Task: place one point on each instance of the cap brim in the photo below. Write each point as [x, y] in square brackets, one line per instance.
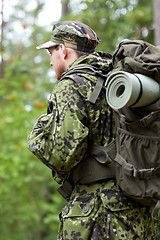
[47, 45]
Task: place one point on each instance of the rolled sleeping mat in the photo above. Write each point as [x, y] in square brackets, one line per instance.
[125, 89]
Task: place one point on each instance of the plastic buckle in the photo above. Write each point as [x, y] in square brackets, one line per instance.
[145, 173]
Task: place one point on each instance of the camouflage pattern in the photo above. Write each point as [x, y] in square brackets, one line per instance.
[100, 211]
[60, 139]
[74, 35]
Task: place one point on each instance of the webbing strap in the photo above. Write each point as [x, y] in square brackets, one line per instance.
[90, 170]
[97, 89]
[140, 92]
[147, 173]
[81, 68]
[137, 173]
[155, 213]
[65, 190]
[145, 121]
[85, 68]
[104, 155]
[128, 168]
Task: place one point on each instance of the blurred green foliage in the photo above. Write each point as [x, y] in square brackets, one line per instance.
[29, 202]
[115, 20]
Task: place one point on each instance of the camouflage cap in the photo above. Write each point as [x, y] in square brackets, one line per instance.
[72, 34]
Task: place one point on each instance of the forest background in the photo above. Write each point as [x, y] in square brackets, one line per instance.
[29, 202]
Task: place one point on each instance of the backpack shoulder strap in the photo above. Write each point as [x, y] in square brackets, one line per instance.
[97, 89]
[85, 68]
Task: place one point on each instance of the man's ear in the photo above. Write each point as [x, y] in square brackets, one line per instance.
[63, 50]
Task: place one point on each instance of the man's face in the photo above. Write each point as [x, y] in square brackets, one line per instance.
[57, 61]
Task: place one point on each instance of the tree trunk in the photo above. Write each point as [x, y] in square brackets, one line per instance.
[1, 46]
[64, 8]
[156, 6]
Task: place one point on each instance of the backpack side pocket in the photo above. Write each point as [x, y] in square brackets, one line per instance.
[137, 165]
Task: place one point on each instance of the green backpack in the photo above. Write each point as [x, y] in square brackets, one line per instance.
[136, 149]
[137, 157]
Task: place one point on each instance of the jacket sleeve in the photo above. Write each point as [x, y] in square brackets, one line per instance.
[59, 138]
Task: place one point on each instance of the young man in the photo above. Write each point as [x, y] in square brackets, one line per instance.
[64, 137]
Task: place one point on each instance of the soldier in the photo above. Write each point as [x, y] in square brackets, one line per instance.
[64, 137]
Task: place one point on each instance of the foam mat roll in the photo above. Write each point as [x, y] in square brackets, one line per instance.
[125, 89]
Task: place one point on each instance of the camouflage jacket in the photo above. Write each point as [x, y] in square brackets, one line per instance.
[60, 138]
